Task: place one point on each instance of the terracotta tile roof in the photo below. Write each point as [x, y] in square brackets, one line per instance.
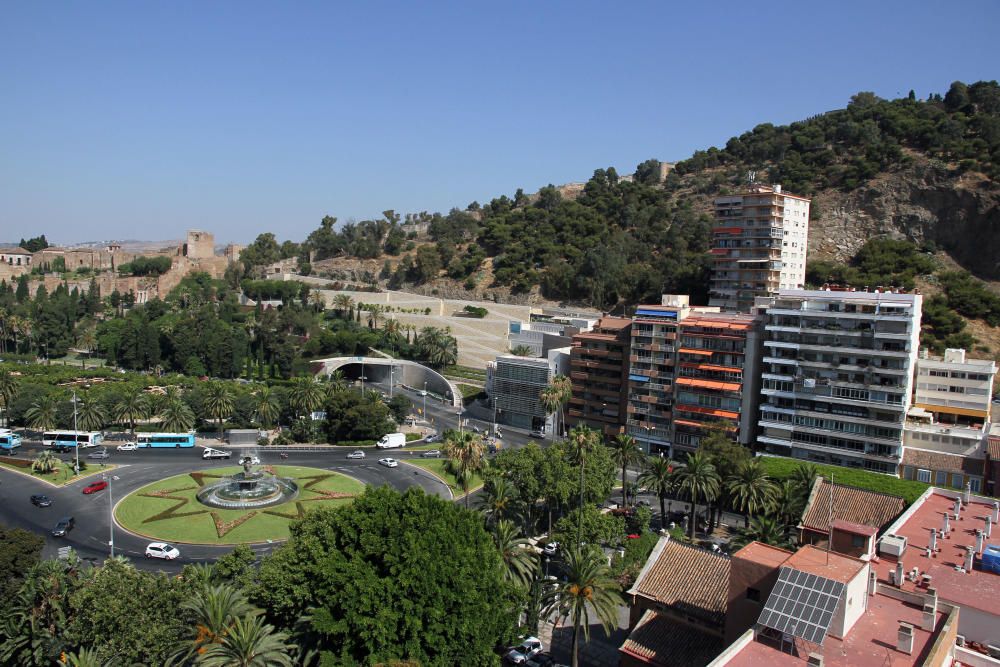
[829, 564]
[993, 448]
[692, 580]
[928, 460]
[14, 250]
[655, 640]
[868, 508]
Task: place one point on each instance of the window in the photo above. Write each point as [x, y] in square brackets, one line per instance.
[940, 478]
[975, 484]
[857, 541]
[956, 481]
[753, 595]
[924, 476]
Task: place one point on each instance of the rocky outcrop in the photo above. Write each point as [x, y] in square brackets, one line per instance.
[925, 201]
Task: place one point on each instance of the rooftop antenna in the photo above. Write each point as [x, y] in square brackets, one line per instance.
[829, 534]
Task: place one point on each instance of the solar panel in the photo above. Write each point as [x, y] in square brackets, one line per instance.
[802, 605]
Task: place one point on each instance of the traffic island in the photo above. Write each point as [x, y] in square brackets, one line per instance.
[170, 509]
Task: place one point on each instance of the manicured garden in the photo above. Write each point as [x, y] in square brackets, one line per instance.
[169, 510]
[60, 476]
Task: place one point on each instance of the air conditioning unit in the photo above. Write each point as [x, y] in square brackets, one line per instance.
[892, 545]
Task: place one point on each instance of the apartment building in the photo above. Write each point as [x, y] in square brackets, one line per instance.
[546, 333]
[718, 377]
[515, 385]
[759, 240]
[946, 429]
[652, 366]
[837, 375]
[598, 369]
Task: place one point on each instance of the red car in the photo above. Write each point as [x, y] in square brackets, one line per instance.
[95, 487]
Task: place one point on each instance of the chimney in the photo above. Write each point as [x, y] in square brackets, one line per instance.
[904, 638]
[815, 660]
[899, 574]
[989, 525]
[979, 541]
[956, 510]
[996, 512]
[947, 524]
[932, 545]
[970, 557]
[967, 494]
[872, 582]
[928, 617]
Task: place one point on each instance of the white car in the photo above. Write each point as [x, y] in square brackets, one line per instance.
[388, 463]
[530, 647]
[127, 447]
[162, 550]
[210, 453]
[356, 454]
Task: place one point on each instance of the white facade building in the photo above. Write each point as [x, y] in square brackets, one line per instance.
[759, 242]
[837, 376]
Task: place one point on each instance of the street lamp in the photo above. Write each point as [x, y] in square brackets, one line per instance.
[76, 437]
[392, 371]
[111, 518]
[424, 394]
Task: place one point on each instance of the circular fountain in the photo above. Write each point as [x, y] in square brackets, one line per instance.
[250, 488]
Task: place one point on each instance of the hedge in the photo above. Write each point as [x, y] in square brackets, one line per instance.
[780, 468]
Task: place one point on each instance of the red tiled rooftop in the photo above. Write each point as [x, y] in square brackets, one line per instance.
[854, 528]
[829, 564]
[656, 641]
[613, 323]
[695, 579]
[872, 641]
[977, 589]
[849, 503]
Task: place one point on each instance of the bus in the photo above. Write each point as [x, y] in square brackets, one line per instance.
[72, 438]
[9, 441]
[164, 439]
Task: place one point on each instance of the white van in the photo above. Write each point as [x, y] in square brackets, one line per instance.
[391, 440]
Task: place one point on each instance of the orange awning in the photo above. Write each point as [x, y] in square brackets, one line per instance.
[720, 369]
[685, 422]
[688, 350]
[708, 384]
[713, 412]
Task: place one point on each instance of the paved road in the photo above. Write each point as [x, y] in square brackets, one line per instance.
[136, 469]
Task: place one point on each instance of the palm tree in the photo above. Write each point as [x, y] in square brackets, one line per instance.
[343, 304]
[8, 391]
[515, 551]
[219, 402]
[45, 463]
[804, 476]
[764, 529]
[86, 338]
[249, 642]
[438, 347]
[555, 397]
[214, 610]
[265, 406]
[582, 439]
[131, 406]
[751, 490]
[90, 415]
[658, 478]
[589, 588]
[789, 501]
[499, 501]
[625, 451]
[176, 416]
[466, 451]
[521, 351]
[304, 396]
[697, 480]
[42, 414]
[336, 383]
[375, 313]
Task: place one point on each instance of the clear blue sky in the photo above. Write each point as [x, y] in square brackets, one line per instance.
[140, 120]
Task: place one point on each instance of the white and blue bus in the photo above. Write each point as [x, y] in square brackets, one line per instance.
[9, 441]
[72, 438]
[164, 439]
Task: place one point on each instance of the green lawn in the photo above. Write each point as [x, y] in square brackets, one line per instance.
[194, 522]
[439, 468]
[780, 468]
[63, 475]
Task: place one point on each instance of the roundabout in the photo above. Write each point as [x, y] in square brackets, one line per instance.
[226, 506]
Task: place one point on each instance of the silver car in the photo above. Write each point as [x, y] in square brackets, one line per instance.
[356, 454]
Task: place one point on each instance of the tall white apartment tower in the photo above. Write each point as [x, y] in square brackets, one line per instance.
[759, 240]
[838, 376]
